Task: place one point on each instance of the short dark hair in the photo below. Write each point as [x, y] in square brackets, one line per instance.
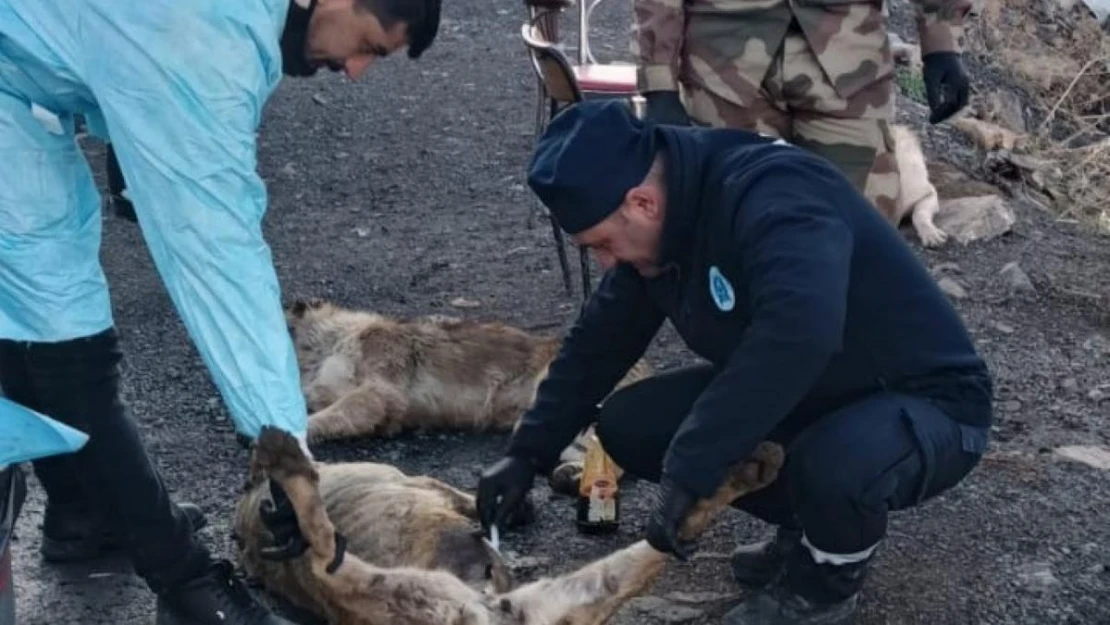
[421, 17]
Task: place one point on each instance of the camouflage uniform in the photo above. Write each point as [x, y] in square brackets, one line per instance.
[816, 72]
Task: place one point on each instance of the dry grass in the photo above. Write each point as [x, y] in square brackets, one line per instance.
[1061, 57]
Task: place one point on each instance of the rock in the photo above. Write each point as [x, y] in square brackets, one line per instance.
[1016, 278]
[1012, 405]
[1069, 384]
[952, 288]
[1004, 328]
[1098, 344]
[946, 267]
[462, 302]
[979, 218]
[663, 610]
[319, 99]
[1005, 108]
[1096, 395]
[1037, 576]
[1090, 455]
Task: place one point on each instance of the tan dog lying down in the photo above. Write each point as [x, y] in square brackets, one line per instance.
[368, 374]
[413, 556]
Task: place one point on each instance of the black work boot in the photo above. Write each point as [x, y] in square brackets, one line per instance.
[807, 594]
[759, 564]
[72, 533]
[216, 597]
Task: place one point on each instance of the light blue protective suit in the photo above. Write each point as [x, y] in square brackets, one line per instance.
[178, 86]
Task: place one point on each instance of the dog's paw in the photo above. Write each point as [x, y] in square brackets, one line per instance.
[564, 480]
[931, 236]
[523, 515]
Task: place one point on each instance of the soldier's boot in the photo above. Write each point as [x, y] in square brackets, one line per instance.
[807, 594]
[71, 533]
[758, 564]
[216, 597]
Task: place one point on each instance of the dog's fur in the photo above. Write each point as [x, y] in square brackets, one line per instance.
[411, 560]
[365, 374]
[917, 197]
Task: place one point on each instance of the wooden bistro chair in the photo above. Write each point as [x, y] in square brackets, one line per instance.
[562, 83]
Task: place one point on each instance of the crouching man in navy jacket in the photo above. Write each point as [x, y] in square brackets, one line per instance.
[820, 329]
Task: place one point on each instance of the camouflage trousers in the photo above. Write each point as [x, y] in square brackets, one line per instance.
[796, 102]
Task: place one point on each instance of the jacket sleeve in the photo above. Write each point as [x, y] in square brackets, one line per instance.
[940, 24]
[796, 250]
[182, 107]
[613, 331]
[659, 29]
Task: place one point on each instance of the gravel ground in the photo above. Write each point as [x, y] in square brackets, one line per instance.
[405, 191]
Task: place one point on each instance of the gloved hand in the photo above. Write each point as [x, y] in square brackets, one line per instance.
[668, 512]
[665, 107]
[501, 490]
[281, 520]
[946, 84]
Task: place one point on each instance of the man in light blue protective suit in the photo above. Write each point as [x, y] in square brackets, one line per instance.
[178, 88]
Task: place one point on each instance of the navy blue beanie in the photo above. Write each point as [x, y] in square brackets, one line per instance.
[588, 158]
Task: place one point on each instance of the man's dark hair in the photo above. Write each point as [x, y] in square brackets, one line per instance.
[421, 17]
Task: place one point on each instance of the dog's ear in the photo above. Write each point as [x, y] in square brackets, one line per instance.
[301, 305]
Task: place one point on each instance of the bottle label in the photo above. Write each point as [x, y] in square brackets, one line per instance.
[603, 506]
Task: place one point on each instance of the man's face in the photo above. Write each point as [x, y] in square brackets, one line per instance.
[631, 234]
[344, 37]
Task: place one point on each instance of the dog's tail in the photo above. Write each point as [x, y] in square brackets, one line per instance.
[594, 592]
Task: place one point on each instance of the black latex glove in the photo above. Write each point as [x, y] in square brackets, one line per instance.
[946, 84]
[281, 520]
[502, 489]
[665, 107]
[668, 512]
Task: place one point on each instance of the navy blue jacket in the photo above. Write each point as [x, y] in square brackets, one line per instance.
[785, 278]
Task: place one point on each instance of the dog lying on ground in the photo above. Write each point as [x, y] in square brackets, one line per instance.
[368, 374]
[383, 548]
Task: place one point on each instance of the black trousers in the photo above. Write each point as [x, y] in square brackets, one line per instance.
[78, 383]
[844, 472]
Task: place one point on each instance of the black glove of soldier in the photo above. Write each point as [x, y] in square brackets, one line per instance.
[501, 491]
[672, 504]
[946, 84]
[665, 107]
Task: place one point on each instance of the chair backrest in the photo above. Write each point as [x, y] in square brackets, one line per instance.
[551, 66]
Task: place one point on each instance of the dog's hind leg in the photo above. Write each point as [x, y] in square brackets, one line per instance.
[375, 407]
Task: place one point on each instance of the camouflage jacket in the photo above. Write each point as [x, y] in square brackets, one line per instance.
[727, 46]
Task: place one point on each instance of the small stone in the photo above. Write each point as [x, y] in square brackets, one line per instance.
[462, 302]
[952, 288]
[1069, 384]
[1098, 344]
[289, 170]
[1004, 328]
[1016, 277]
[319, 99]
[664, 610]
[975, 218]
[1037, 575]
[943, 267]
[1096, 395]
[1090, 455]
[1012, 405]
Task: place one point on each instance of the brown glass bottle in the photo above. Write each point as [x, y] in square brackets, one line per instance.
[598, 494]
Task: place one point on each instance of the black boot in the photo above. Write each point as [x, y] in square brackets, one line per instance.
[759, 564]
[72, 533]
[215, 597]
[807, 594]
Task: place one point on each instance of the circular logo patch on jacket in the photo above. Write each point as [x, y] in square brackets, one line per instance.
[721, 290]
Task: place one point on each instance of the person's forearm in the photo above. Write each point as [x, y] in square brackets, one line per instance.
[940, 24]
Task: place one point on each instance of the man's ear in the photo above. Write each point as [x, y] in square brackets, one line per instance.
[644, 201]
